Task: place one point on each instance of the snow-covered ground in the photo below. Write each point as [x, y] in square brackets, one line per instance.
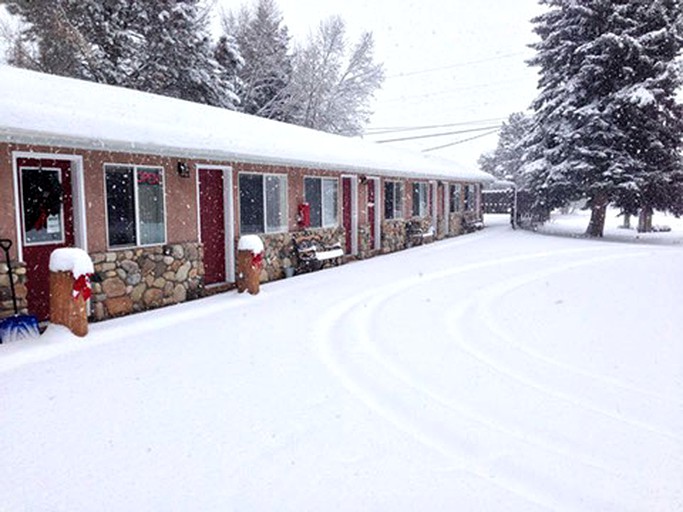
[501, 371]
[575, 224]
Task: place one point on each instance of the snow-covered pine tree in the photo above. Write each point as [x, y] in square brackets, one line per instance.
[506, 160]
[591, 65]
[227, 54]
[161, 47]
[263, 42]
[571, 149]
[52, 42]
[648, 112]
[178, 56]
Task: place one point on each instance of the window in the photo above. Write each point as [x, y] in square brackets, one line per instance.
[470, 197]
[263, 203]
[455, 198]
[420, 199]
[322, 194]
[43, 215]
[135, 205]
[393, 200]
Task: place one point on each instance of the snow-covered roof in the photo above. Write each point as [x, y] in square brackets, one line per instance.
[44, 109]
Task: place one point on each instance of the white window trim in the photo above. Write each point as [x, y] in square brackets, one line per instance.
[282, 229]
[400, 213]
[459, 206]
[471, 194]
[323, 203]
[423, 190]
[135, 168]
[285, 207]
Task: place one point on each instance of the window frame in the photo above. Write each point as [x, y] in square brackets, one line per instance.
[22, 205]
[135, 168]
[323, 202]
[455, 206]
[397, 210]
[470, 199]
[421, 189]
[265, 229]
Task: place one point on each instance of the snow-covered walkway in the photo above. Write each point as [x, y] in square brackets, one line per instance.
[501, 370]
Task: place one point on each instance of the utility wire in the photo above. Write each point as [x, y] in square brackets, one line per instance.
[443, 134]
[456, 65]
[394, 129]
[461, 141]
[448, 92]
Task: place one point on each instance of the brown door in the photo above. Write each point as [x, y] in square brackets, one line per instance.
[47, 222]
[347, 214]
[371, 212]
[212, 221]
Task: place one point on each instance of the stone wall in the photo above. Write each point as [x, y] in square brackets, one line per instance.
[129, 281]
[279, 250]
[365, 248]
[393, 235]
[19, 275]
[455, 224]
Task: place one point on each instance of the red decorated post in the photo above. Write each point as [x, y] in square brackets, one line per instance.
[70, 271]
[250, 253]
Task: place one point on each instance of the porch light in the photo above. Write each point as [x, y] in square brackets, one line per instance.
[183, 170]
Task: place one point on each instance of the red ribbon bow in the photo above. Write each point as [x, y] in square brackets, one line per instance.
[257, 260]
[82, 287]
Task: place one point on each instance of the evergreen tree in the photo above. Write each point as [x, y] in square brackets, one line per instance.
[506, 161]
[648, 113]
[161, 47]
[595, 67]
[179, 56]
[263, 42]
[52, 41]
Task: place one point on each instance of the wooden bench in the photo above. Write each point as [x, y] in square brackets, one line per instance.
[470, 226]
[312, 253]
[415, 235]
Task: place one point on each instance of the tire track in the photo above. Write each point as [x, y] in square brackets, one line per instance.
[451, 429]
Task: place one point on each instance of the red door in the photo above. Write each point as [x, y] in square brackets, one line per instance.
[212, 221]
[47, 222]
[347, 214]
[371, 212]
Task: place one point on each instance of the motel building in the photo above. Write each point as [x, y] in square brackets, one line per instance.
[158, 192]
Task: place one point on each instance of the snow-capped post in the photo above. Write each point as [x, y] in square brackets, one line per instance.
[70, 271]
[250, 252]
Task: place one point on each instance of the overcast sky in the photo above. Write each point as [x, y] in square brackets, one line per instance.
[447, 62]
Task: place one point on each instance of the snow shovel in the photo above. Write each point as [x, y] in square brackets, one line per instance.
[17, 327]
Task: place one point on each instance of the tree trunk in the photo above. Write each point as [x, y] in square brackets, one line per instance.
[596, 226]
[627, 221]
[645, 220]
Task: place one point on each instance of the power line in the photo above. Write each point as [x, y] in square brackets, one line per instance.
[461, 141]
[456, 65]
[454, 90]
[443, 134]
[394, 129]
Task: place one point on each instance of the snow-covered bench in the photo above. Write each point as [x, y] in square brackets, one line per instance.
[469, 226]
[313, 254]
[415, 235]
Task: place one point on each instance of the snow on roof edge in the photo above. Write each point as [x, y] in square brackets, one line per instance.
[69, 113]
